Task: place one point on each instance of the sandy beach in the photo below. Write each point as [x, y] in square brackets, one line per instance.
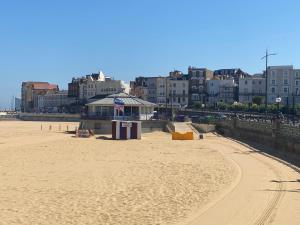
[50, 177]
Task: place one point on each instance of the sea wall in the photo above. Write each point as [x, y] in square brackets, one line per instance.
[276, 134]
[56, 117]
[105, 127]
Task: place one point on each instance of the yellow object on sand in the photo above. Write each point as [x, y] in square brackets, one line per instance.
[182, 136]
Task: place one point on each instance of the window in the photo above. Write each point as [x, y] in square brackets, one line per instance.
[246, 82]
[273, 82]
[273, 72]
[286, 82]
[273, 90]
[286, 73]
[285, 90]
[297, 82]
[259, 82]
[174, 84]
[183, 84]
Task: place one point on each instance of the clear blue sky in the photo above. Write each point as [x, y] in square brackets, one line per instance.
[56, 40]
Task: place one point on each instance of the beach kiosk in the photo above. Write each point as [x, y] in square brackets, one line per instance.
[123, 130]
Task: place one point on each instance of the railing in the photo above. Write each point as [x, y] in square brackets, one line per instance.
[101, 117]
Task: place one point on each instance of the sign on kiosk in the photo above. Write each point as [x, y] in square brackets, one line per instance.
[278, 100]
[126, 124]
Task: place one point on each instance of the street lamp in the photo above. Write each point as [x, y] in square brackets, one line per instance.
[266, 57]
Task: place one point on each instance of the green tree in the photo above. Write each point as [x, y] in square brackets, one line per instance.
[257, 100]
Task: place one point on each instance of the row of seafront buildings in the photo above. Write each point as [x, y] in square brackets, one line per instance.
[199, 87]
[207, 88]
[45, 97]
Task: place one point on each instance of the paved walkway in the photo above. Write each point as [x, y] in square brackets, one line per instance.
[266, 191]
[183, 127]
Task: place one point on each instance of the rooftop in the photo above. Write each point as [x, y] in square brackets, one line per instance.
[128, 100]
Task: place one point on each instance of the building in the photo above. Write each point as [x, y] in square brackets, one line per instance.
[30, 92]
[251, 87]
[234, 73]
[168, 92]
[152, 89]
[134, 108]
[17, 104]
[74, 87]
[284, 83]
[178, 93]
[139, 88]
[280, 83]
[221, 91]
[296, 89]
[89, 86]
[197, 84]
[54, 101]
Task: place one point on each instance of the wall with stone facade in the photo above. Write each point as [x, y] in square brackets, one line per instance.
[105, 127]
[280, 136]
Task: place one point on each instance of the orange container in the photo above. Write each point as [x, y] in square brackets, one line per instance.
[184, 136]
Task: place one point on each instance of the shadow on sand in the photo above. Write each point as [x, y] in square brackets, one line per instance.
[104, 138]
[288, 157]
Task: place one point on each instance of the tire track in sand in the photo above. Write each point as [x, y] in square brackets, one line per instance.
[273, 203]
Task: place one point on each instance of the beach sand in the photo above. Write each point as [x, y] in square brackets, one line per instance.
[49, 177]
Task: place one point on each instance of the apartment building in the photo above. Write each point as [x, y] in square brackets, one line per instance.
[31, 90]
[197, 84]
[152, 89]
[169, 91]
[251, 87]
[96, 84]
[177, 93]
[280, 83]
[221, 91]
[139, 88]
[54, 101]
[235, 73]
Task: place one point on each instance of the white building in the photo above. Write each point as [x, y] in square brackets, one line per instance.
[221, 91]
[134, 108]
[54, 102]
[280, 83]
[178, 92]
[296, 87]
[99, 84]
[251, 87]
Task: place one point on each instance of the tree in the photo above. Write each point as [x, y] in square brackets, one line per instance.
[257, 100]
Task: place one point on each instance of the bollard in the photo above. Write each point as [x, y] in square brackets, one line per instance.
[50, 127]
[67, 128]
[41, 127]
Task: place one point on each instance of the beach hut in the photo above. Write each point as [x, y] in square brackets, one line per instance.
[123, 130]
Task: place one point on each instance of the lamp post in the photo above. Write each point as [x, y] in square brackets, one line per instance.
[266, 96]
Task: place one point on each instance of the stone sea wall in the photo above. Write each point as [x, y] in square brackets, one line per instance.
[276, 134]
